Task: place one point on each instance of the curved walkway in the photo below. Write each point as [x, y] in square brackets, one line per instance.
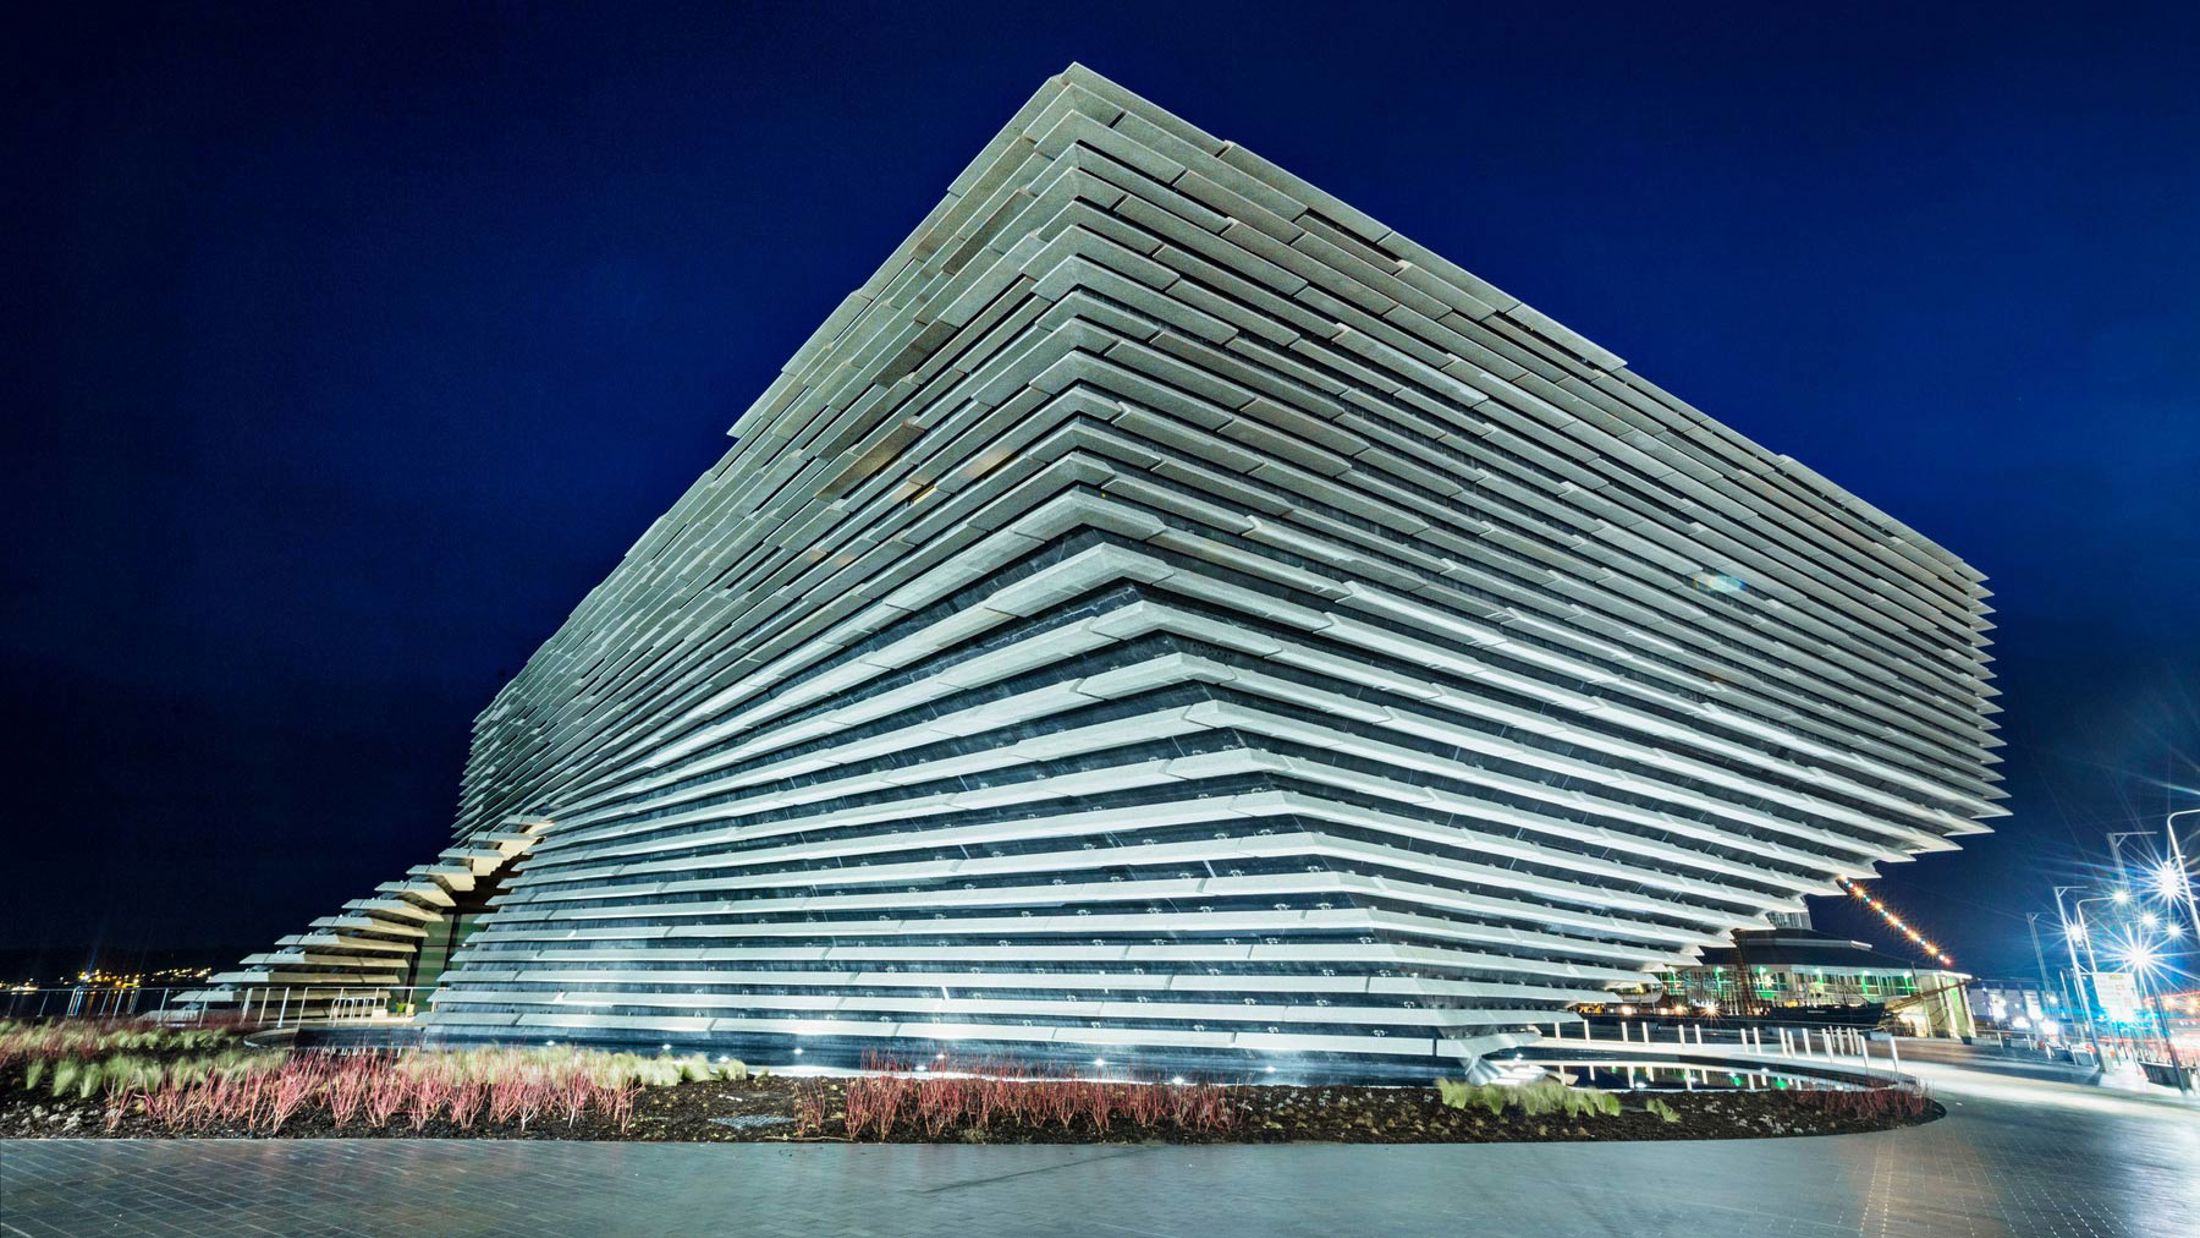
[2015, 1156]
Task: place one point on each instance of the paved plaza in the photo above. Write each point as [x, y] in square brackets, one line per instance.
[2016, 1156]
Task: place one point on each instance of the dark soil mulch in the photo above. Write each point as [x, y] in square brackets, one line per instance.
[763, 1111]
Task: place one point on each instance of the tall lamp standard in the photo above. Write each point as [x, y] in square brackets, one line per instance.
[2177, 864]
[2141, 959]
[2120, 897]
[2085, 928]
[2116, 852]
[2085, 999]
[2032, 924]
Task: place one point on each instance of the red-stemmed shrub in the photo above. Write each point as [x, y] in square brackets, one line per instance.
[288, 1089]
[465, 1103]
[386, 1094]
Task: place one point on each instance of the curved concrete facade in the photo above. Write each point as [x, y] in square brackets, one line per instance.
[1167, 616]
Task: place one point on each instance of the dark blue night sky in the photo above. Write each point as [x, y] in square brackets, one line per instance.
[345, 347]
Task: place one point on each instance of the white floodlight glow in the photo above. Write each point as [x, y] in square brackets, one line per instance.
[2141, 957]
[2121, 896]
[2169, 880]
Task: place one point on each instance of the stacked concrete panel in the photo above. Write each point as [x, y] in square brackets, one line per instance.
[1167, 616]
[361, 961]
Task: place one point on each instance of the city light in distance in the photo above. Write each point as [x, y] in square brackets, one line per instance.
[1920, 940]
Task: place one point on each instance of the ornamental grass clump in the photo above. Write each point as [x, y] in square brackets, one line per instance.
[261, 1092]
[88, 1039]
[976, 1098]
[1538, 1099]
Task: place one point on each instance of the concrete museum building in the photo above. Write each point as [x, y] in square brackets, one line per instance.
[1168, 617]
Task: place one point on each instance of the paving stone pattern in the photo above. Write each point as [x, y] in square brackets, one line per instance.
[1992, 1168]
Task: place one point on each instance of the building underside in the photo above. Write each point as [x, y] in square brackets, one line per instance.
[1167, 616]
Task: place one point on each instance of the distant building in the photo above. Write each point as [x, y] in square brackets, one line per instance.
[2019, 1006]
[1803, 969]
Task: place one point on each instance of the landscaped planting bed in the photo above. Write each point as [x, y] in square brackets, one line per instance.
[134, 1083]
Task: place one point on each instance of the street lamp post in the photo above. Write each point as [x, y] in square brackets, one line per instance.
[2085, 929]
[2161, 1024]
[2039, 956]
[2085, 999]
[2177, 861]
[2116, 853]
[2119, 896]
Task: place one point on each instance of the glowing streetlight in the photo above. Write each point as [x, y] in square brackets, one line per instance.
[2169, 880]
[2141, 957]
[2177, 859]
[2121, 896]
[2073, 933]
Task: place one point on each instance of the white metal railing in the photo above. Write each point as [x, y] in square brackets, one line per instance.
[1835, 1046]
[254, 1006]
